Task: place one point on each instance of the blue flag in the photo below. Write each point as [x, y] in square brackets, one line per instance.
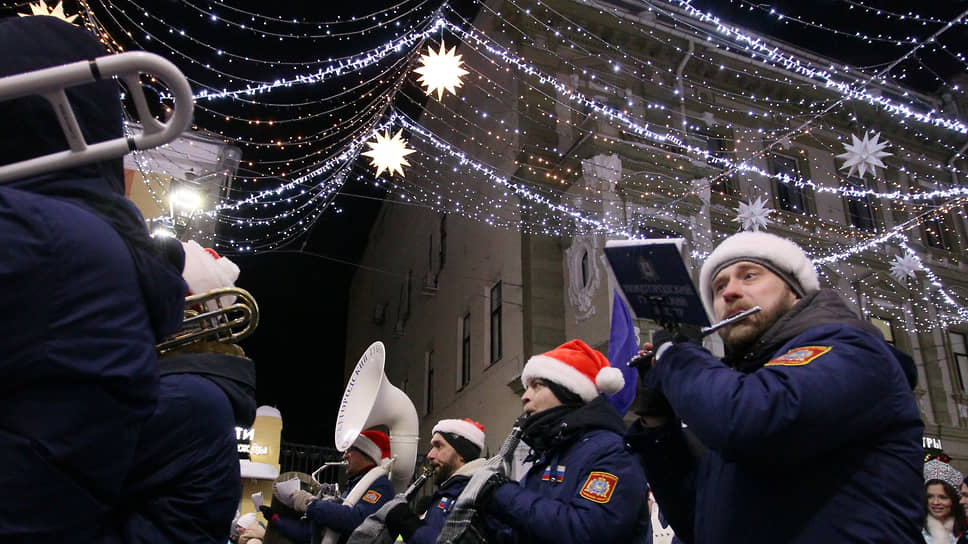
[622, 347]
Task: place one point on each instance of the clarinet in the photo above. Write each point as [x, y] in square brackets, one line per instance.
[418, 482]
[511, 443]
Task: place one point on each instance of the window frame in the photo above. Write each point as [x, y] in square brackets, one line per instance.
[465, 351]
[496, 322]
[782, 191]
[958, 357]
[866, 202]
[429, 378]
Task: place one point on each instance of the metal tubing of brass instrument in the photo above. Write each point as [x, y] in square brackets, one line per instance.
[705, 331]
[50, 83]
[326, 466]
[226, 323]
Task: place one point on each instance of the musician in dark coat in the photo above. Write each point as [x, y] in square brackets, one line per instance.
[184, 484]
[584, 485]
[320, 514]
[87, 295]
[455, 453]
[809, 410]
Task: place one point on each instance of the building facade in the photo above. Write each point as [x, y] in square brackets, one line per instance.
[464, 289]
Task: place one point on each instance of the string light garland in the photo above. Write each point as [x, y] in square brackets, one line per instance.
[671, 165]
[774, 56]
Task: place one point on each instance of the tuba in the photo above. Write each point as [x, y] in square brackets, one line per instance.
[225, 315]
[370, 400]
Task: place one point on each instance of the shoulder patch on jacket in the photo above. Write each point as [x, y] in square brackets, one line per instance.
[371, 497]
[599, 487]
[799, 356]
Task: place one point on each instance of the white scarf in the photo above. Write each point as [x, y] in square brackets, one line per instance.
[941, 532]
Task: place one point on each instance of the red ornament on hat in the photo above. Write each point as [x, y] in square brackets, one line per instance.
[578, 368]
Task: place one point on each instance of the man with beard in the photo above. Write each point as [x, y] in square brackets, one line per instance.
[455, 453]
[809, 411]
[584, 485]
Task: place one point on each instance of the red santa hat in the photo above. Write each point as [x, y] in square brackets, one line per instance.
[578, 368]
[373, 444]
[464, 435]
[206, 270]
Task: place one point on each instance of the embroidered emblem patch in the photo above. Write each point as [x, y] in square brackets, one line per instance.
[799, 356]
[599, 487]
[445, 504]
[371, 497]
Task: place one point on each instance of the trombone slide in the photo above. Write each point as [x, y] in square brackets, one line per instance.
[50, 84]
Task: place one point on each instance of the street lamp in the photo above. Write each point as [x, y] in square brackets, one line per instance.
[184, 200]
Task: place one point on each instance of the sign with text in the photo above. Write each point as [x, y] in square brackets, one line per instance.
[655, 281]
[245, 440]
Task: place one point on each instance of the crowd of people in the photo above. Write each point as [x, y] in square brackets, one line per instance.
[806, 431]
[809, 409]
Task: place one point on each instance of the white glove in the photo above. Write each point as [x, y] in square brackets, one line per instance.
[285, 490]
[301, 500]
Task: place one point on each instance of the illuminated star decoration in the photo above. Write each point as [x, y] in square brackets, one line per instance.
[388, 153]
[753, 215]
[863, 155]
[41, 8]
[904, 267]
[441, 71]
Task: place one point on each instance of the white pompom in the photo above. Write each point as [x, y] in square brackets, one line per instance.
[610, 380]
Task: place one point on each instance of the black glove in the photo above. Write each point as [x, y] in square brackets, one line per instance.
[267, 512]
[487, 490]
[652, 403]
[683, 333]
[402, 521]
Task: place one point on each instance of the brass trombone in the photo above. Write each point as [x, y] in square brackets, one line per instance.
[127, 67]
[225, 315]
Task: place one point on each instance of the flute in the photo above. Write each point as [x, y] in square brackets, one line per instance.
[705, 331]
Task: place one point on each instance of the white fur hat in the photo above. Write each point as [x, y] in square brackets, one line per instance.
[578, 368]
[780, 255]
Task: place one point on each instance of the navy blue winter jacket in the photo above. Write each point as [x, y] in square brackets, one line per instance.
[586, 486]
[817, 440]
[338, 517]
[442, 502]
[86, 296]
[185, 484]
